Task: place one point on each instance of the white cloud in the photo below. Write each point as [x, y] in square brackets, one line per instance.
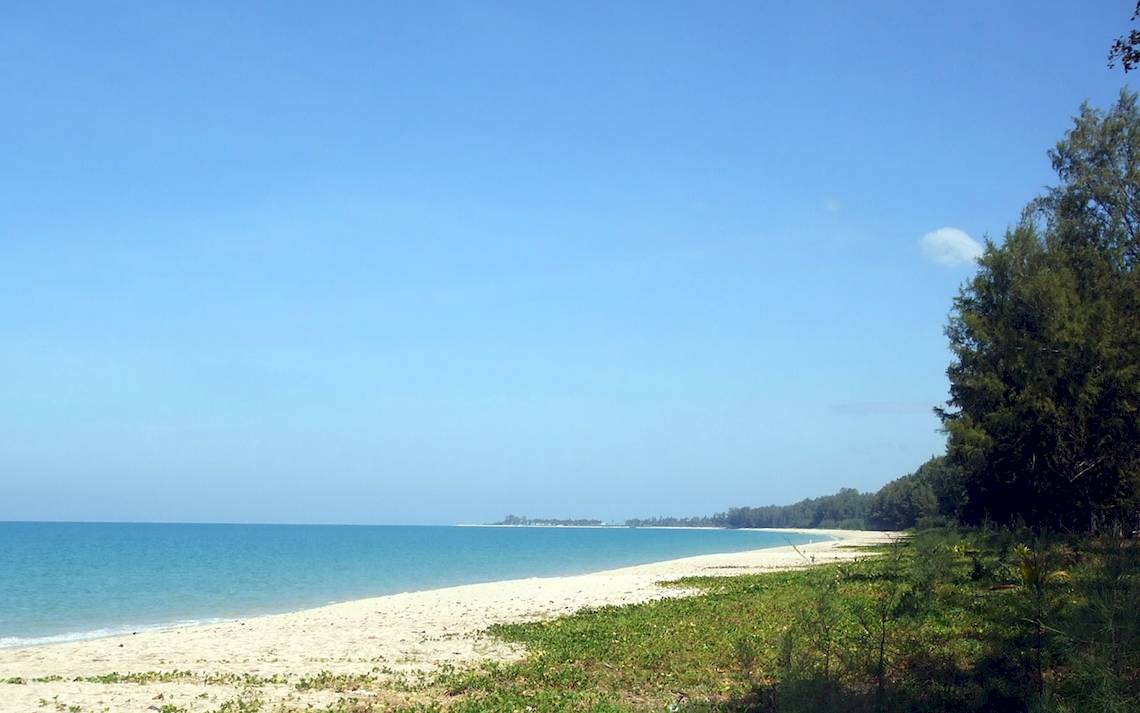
[950, 246]
[832, 206]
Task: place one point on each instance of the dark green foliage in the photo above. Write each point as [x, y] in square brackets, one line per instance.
[669, 521]
[933, 493]
[1126, 48]
[1044, 416]
[846, 509]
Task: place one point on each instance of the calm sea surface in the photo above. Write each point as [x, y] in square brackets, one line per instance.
[61, 581]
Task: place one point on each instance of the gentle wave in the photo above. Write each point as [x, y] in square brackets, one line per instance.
[9, 642]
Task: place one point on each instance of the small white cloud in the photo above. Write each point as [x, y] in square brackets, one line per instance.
[832, 206]
[950, 246]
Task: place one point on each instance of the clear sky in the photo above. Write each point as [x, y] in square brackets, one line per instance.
[437, 262]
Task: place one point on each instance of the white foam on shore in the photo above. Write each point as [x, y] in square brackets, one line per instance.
[9, 642]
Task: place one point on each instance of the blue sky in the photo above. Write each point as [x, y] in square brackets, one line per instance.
[437, 262]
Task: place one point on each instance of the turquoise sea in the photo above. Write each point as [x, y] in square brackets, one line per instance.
[66, 581]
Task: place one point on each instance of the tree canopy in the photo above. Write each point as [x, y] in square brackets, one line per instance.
[846, 509]
[933, 491]
[1045, 383]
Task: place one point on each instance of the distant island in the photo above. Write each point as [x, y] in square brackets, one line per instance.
[524, 521]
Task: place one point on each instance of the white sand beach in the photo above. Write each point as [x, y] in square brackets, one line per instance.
[391, 636]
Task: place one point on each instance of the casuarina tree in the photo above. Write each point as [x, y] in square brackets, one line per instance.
[1044, 410]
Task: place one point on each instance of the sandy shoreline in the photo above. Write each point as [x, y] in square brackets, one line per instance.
[387, 636]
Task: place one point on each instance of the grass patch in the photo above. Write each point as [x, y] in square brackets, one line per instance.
[946, 621]
[339, 682]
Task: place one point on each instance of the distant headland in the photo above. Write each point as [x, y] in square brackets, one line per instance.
[524, 521]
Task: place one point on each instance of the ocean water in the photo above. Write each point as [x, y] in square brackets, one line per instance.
[66, 581]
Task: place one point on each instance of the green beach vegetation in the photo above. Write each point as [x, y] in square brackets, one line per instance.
[949, 620]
